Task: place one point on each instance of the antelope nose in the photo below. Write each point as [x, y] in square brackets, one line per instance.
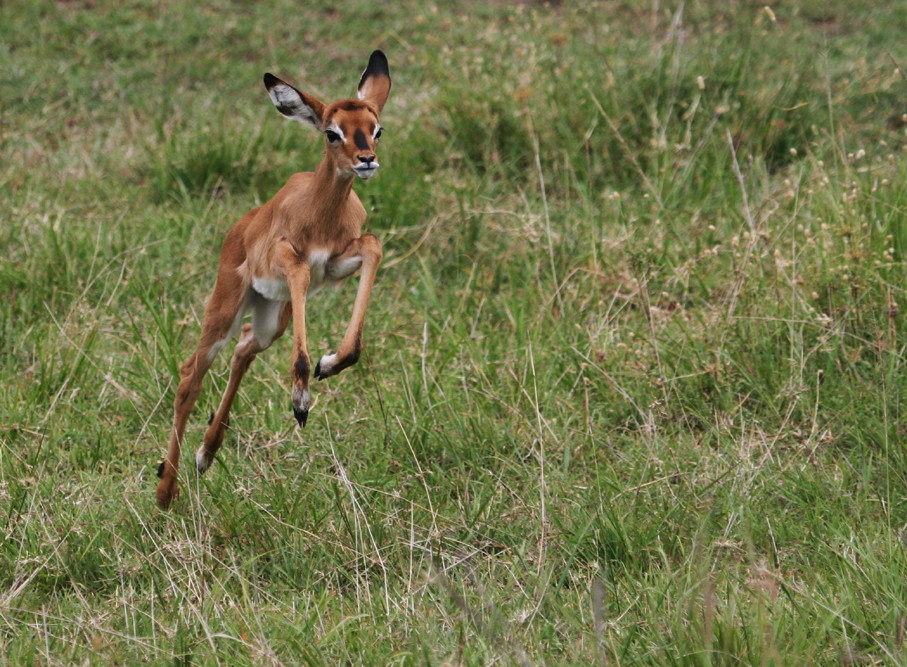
[366, 159]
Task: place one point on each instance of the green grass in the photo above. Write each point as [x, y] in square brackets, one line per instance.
[632, 384]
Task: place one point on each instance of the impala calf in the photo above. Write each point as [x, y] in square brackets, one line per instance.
[280, 253]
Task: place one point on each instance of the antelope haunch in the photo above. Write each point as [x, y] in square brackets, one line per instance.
[278, 254]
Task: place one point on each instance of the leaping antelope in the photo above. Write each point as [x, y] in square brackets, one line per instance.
[278, 254]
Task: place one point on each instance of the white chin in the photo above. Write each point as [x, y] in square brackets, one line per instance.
[365, 174]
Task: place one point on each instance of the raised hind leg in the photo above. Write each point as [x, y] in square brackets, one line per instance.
[269, 321]
[223, 317]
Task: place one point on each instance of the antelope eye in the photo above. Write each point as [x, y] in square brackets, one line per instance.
[378, 134]
[332, 136]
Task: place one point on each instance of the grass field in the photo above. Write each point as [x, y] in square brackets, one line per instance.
[633, 375]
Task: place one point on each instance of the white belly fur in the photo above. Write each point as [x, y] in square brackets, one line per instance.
[317, 261]
[276, 288]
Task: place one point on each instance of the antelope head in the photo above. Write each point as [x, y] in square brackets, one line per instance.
[350, 127]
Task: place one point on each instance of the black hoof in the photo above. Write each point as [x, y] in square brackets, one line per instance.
[160, 470]
[318, 374]
[302, 416]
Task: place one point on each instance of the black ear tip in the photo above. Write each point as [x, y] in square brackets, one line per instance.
[270, 80]
[377, 63]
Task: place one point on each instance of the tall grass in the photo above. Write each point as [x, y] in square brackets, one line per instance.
[631, 390]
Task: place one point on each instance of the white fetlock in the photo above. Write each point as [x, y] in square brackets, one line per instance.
[202, 463]
[325, 367]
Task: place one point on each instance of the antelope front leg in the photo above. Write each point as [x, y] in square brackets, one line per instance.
[368, 248]
[298, 276]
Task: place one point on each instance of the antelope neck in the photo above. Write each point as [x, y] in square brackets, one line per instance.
[330, 188]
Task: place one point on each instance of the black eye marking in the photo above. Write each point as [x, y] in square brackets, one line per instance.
[361, 141]
[332, 136]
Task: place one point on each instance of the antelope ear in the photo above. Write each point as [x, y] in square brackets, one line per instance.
[375, 84]
[294, 104]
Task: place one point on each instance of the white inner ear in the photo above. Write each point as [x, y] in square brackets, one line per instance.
[283, 94]
[290, 104]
